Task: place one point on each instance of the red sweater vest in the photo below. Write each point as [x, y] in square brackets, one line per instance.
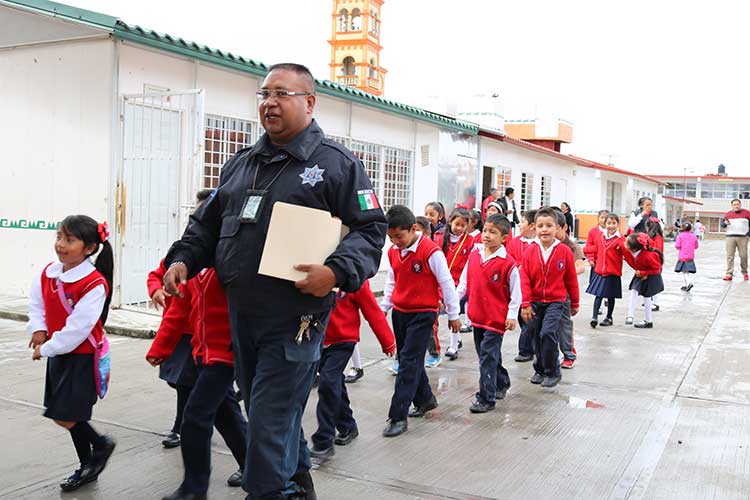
[55, 313]
[344, 323]
[609, 256]
[204, 310]
[457, 254]
[488, 289]
[516, 248]
[553, 281]
[416, 288]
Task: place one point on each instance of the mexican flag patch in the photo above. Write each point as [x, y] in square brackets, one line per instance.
[367, 199]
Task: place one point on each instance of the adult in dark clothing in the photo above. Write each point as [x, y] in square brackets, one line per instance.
[509, 206]
[644, 212]
[568, 213]
[293, 162]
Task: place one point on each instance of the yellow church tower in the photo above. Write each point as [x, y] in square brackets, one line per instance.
[355, 45]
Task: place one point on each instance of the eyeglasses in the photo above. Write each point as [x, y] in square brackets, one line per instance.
[264, 95]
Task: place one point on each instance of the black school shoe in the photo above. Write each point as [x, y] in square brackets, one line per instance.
[235, 479]
[322, 454]
[100, 456]
[304, 481]
[479, 407]
[354, 375]
[551, 381]
[421, 410]
[500, 393]
[522, 358]
[606, 322]
[537, 378]
[593, 322]
[77, 480]
[644, 324]
[395, 428]
[179, 495]
[171, 440]
[342, 439]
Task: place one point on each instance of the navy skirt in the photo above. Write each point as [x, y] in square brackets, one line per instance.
[685, 266]
[69, 388]
[179, 368]
[609, 287]
[649, 287]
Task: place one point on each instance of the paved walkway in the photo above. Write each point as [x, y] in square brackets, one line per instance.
[645, 414]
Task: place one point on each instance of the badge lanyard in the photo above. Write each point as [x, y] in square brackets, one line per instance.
[255, 197]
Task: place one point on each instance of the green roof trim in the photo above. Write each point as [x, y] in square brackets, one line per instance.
[186, 48]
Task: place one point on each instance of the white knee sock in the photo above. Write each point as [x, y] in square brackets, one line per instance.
[633, 302]
[647, 306]
[455, 337]
[356, 358]
[685, 277]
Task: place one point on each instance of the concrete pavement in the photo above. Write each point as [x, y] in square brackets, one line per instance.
[645, 414]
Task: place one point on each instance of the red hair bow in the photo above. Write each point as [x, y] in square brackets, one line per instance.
[643, 239]
[103, 232]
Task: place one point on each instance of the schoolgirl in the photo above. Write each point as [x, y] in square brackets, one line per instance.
[647, 262]
[606, 282]
[686, 244]
[67, 311]
[475, 226]
[656, 233]
[435, 213]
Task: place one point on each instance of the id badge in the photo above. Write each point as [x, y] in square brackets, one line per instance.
[252, 206]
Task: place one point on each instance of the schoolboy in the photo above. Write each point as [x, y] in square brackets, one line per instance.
[418, 272]
[491, 281]
[548, 278]
[516, 248]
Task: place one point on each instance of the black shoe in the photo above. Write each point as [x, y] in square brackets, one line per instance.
[644, 324]
[522, 358]
[304, 481]
[606, 322]
[460, 343]
[500, 394]
[599, 312]
[395, 428]
[235, 479]
[551, 381]
[479, 407]
[654, 307]
[689, 287]
[537, 378]
[76, 480]
[172, 440]
[593, 323]
[316, 380]
[322, 454]
[465, 329]
[100, 456]
[421, 410]
[179, 495]
[354, 375]
[347, 437]
[451, 354]
[683, 288]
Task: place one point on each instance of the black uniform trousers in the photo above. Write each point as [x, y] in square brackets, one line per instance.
[275, 376]
[413, 332]
[492, 374]
[334, 410]
[525, 344]
[545, 327]
[212, 403]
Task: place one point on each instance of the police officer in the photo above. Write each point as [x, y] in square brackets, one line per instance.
[292, 162]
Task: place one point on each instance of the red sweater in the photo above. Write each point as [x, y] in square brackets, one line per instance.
[488, 289]
[609, 256]
[55, 314]
[416, 287]
[344, 323]
[204, 309]
[457, 254]
[516, 248]
[589, 249]
[647, 262]
[553, 281]
[154, 283]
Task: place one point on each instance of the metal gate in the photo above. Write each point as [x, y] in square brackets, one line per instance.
[162, 147]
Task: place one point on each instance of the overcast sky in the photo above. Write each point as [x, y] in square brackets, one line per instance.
[661, 86]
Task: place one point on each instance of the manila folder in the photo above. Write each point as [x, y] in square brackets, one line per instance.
[298, 235]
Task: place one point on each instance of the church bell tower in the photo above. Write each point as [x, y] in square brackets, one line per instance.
[355, 45]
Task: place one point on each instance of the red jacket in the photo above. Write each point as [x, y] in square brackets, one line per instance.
[647, 262]
[516, 248]
[344, 323]
[609, 256]
[658, 243]
[203, 309]
[589, 249]
[457, 254]
[488, 290]
[553, 281]
[154, 283]
[416, 288]
[55, 314]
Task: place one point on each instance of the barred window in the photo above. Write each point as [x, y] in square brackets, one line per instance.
[527, 183]
[546, 191]
[397, 169]
[224, 136]
[371, 155]
[503, 179]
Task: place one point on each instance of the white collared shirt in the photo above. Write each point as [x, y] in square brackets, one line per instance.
[608, 236]
[546, 252]
[514, 281]
[509, 204]
[81, 320]
[439, 267]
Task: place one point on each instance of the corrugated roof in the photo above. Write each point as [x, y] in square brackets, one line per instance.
[186, 48]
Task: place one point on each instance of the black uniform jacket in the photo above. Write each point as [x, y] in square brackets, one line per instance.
[317, 173]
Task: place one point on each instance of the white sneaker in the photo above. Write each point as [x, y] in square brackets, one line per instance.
[629, 320]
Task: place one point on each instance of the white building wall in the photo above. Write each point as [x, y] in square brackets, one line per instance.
[591, 185]
[425, 177]
[57, 105]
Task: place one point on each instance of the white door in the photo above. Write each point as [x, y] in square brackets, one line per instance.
[162, 151]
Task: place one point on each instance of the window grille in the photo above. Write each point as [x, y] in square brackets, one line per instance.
[224, 136]
[397, 175]
[370, 154]
[503, 179]
[527, 183]
[546, 193]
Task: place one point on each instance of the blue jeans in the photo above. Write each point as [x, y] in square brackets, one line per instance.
[544, 328]
[492, 374]
[413, 332]
[334, 410]
[275, 376]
